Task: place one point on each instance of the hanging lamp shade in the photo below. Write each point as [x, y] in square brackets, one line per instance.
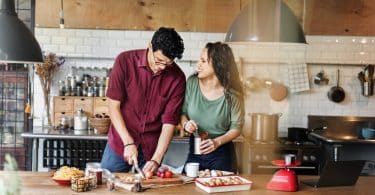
[17, 42]
[266, 21]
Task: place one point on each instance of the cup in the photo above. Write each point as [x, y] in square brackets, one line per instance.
[192, 169]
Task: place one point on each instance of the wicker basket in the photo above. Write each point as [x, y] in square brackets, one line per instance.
[101, 125]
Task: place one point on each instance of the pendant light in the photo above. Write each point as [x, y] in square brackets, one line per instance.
[266, 21]
[62, 22]
[17, 42]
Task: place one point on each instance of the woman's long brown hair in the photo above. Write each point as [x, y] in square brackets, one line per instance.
[225, 68]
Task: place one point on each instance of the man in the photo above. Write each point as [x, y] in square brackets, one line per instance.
[145, 92]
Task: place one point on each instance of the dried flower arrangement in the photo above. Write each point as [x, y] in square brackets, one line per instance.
[45, 71]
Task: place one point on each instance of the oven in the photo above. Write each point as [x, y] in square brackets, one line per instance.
[307, 153]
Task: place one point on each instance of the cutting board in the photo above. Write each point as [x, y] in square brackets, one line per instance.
[176, 179]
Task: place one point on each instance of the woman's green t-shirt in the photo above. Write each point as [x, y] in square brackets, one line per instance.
[213, 116]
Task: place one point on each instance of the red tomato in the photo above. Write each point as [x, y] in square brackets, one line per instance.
[149, 174]
[162, 175]
[168, 174]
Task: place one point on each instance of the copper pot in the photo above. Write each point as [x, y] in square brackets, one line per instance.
[264, 126]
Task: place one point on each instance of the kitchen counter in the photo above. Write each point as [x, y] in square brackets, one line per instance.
[41, 183]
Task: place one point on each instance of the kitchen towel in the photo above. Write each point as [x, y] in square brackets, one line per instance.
[297, 78]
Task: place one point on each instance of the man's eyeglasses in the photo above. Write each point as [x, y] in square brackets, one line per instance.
[160, 62]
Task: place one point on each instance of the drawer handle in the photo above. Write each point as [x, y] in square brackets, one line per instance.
[62, 98]
[104, 99]
[82, 99]
[62, 112]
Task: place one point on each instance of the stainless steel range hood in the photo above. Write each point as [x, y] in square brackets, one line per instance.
[266, 21]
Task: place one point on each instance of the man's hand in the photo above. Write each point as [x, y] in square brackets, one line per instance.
[130, 153]
[151, 166]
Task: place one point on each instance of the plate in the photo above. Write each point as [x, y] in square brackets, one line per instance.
[202, 184]
[62, 182]
[281, 163]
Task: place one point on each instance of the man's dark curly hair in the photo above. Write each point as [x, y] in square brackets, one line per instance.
[169, 42]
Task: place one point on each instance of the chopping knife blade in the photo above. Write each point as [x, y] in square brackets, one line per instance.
[139, 170]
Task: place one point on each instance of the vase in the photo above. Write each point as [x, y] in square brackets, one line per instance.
[46, 116]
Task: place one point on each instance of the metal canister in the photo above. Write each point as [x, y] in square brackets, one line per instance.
[84, 91]
[95, 91]
[73, 82]
[90, 91]
[78, 91]
[197, 143]
[68, 91]
[61, 88]
[73, 92]
[101, 91]
[67, 81]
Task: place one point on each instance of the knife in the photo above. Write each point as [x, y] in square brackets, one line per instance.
[139, 170]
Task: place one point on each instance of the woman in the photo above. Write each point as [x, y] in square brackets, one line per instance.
[213, 106]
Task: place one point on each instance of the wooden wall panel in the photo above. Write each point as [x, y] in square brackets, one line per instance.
[184, 15]
[340, 17]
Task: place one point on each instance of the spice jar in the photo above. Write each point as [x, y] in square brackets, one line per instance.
[64, 122]
[80, 120]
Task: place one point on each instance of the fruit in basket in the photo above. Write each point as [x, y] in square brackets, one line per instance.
[100, 122]
[103, 115]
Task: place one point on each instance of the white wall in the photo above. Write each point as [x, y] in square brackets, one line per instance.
[99, 47]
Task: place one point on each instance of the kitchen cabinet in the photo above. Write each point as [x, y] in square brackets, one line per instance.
[68, 105]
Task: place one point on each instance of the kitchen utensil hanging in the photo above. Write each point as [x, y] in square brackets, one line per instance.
[252, 83]
[277, 91]
[366, 80]
[336, 93]
[321, 79]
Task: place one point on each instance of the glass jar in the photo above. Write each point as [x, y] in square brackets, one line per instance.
[80, 120]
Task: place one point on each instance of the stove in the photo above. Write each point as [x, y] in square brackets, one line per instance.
[342, 140]
[261, 155]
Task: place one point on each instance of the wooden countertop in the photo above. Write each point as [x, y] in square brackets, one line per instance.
[41, 183]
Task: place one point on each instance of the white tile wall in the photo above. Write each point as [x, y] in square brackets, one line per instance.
[83, 47]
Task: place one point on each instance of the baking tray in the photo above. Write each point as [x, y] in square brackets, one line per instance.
[202, 184]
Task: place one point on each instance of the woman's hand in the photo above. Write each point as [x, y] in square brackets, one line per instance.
[190, 126]
[209, 145]
[130, 153]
